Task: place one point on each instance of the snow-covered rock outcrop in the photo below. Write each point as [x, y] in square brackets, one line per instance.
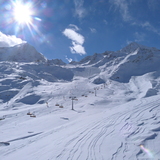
[58, 62]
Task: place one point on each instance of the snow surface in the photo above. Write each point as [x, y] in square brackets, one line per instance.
[116, 103]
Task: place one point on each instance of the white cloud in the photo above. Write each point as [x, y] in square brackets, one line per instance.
[79, 9]
[105, 22]
[76, 38]
[153, 4]
[139, 37]
[9, 40]
[77, 48]
[123, 7]
[69, 59]
[93, 30]
[74, 27]
[128, 42]
[150, 27]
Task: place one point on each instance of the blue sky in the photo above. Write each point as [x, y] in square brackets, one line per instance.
[72, 29]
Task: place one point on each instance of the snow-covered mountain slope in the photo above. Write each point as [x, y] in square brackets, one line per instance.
[56, 62]
[132, 60]
[138, 62]
[115, 101]
[21, 53]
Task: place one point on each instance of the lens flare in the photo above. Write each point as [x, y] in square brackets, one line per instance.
[24, 16]
[147, 151]
[22, 13]
[21, 16]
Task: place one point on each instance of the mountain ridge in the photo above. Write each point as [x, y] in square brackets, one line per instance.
[121, 65]
[26, 53]
[23, 52]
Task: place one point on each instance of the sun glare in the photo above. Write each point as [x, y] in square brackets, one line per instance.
[23, 17]
[22, 13]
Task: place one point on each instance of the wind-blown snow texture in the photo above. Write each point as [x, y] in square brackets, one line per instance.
[115, 97]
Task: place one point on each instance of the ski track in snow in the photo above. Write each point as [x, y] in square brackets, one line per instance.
[94, 137]
[102, 138]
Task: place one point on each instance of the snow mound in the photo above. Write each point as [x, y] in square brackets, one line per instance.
[98, 81]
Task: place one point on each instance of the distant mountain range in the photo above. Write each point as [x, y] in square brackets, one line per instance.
[132, 60]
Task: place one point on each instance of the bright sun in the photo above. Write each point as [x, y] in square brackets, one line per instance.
[22, 13]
